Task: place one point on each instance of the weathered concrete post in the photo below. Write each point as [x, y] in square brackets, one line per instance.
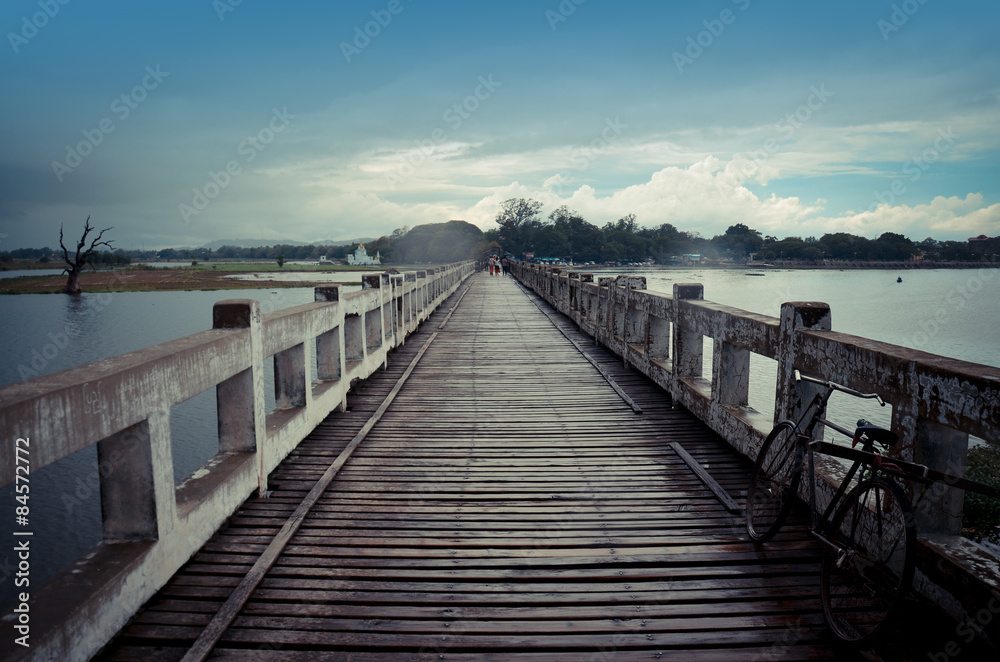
[409, 296]
[329, 358]
[421, 294]
[573, 304]
[129, 484]
[939, 506]
[791, 397]
[730, 374]
[587, 300]
[387, 329]
[373, 317]
[397, 310]
[688, 345]
[605, 325]
[240, 399]
[635, 318]
[290, 377]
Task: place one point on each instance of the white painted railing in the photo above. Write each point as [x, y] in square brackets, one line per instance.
[122, 405]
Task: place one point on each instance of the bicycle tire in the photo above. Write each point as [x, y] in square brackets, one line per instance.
[774, 482]
[864, 580]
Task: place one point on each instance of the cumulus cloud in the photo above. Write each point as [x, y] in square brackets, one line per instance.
[953, 216]
[710, 195]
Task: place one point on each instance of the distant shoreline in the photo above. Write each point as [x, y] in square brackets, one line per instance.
[830, 265]
[212, 275]
[150, 280]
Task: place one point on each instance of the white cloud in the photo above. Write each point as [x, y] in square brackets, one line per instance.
[711, 195]
[953, 217]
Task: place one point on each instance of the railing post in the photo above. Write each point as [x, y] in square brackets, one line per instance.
[137, 491]
[373, 317]
[240, 399]
[421, 295]
[939, 506]
[290, 377]
[387, 329]
[791, 397]
[605, 332]
[397, 310]
[730, 374]
[688, 345]
[329, 345]
[635, 327]
[409, 297]
[586, 300]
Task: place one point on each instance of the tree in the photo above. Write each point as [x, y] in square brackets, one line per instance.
[517, 211]
[517, 216]
[79, 261]
[281, 261]
[739, 241]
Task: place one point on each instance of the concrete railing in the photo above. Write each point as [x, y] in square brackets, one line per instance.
[122, 406]
[937, 402]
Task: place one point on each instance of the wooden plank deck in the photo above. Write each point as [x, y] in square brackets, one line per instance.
[509, 505]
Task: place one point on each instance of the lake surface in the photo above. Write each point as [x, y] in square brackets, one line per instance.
[951, 312]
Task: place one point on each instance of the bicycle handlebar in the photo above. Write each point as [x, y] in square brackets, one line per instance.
[798, 376]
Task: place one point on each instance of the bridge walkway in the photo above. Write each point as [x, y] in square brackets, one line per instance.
[508, 505]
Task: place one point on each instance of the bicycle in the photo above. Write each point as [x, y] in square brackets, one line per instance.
[868, 534]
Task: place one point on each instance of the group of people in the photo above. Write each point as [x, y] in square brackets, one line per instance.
[498, 265]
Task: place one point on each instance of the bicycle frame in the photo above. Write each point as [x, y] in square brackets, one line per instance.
[863, 457]
[813, 415]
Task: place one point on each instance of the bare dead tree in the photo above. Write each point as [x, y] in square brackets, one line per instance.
[77, 263]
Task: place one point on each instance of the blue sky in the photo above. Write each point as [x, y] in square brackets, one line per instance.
[188, 121]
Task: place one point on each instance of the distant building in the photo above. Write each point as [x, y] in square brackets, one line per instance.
[361, 258]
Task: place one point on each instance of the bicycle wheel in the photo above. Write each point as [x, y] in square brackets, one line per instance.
[865, 577]
[774, 482]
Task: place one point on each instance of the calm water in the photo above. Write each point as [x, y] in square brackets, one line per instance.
[954, 313]
[951, 312]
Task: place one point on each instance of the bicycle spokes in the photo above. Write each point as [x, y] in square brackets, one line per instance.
[773, 482]
[870, 566]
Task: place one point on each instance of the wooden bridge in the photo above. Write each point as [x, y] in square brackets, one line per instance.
[503, 500]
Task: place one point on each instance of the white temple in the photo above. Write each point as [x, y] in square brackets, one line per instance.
[361, 258]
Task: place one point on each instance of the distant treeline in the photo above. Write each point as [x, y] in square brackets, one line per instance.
[566, 235]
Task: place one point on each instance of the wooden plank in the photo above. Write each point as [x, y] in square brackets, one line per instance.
[212, 632]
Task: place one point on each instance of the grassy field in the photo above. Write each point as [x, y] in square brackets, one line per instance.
[271, 265]
[203, 276]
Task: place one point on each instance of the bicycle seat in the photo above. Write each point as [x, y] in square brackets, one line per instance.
[886, 438]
